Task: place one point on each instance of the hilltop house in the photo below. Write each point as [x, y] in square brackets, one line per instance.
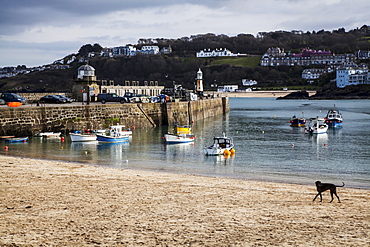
[352, 75]
[305, 58]
[215, 53]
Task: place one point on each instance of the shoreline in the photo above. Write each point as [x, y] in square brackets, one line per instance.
[218, 176]
[47, 202]
[257, 94]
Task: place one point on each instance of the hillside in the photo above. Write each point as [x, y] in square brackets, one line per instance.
[181, 65]
[164, 69]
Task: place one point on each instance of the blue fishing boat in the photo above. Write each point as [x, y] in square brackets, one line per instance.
[17, 139]
[334, 119]
[297, 121]
[116, 133]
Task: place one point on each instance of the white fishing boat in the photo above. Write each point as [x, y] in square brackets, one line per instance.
[181, 138]
[182, 134]
[316, 126]
[76, 137]
[48, 134]
[221, 146]
[115, 133]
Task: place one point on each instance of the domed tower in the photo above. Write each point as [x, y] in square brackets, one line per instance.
[199, 86]
[86, 85]
[86, 73]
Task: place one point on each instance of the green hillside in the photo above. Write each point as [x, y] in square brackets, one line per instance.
[250, 61]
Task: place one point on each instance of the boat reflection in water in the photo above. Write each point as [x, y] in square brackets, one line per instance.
[116, 151]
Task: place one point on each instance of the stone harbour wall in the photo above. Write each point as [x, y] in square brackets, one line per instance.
[28, 120]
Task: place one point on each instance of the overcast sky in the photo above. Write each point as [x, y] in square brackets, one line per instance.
[38, 32]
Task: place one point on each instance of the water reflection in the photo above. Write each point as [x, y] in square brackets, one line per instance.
[266, 146]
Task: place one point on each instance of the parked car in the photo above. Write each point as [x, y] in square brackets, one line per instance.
[52, 99]
[137, 98]
[12, 97]
[69, 100]
[111, 97]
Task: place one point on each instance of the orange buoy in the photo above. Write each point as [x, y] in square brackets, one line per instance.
[14, 104]
[232, 151]
[226, 152]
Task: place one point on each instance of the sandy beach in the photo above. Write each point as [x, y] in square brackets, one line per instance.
[51, 203]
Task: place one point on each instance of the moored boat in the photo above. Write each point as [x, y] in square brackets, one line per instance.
[334, 118]
[181, 138]
[316, 126]
[297, 122]
[221, 146]
[16, 139]
[76, 137]
[48, 134]
[115, 133]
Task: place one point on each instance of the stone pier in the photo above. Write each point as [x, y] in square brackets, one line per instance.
[29, 120]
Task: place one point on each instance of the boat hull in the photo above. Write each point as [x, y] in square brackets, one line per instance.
[82, 138]
[183, 138]
[298, 122]
[16, 139]
[213, 151]
[104, 138]
[48, 134]
[333, 123]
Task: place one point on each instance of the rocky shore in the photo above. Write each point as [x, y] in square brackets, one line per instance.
[51, 203]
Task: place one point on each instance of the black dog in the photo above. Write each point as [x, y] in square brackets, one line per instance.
[321, 187]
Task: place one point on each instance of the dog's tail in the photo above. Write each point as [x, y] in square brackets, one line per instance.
[340, 185]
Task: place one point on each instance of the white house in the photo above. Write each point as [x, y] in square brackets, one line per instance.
[352, 75]
[312, 74]
[227, 88]
[127, 50]
[246, 82]
[150, 50]
[215, 53]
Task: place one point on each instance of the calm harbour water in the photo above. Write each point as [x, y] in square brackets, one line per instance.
[267, 148]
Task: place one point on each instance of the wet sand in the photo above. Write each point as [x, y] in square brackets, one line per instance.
[51, 203]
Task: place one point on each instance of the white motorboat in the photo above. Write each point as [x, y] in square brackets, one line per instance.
[316, 126]
[221, 146]
[75, 137]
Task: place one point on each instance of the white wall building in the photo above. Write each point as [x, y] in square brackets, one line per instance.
[127, 50]
[312, 74]
[149, 50]
[351, 75]
[227, 88]
[215, 53]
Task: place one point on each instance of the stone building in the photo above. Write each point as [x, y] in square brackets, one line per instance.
[150, 88]
[86, 84]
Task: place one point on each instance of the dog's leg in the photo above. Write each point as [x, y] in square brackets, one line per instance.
[317, 196]
[332, 198]
[335, 193]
